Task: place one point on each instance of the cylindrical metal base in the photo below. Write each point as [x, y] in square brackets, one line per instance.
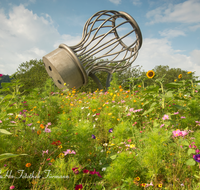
[63, 66]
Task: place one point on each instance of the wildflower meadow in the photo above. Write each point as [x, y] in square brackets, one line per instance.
[146, 137]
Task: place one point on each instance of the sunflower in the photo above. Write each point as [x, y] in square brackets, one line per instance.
[189, 72]
[150, 74]
[180, 76]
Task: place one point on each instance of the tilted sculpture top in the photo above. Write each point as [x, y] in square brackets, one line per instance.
[73, 64]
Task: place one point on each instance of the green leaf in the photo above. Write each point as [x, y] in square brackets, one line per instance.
[153, 104]
[190, 162]
[113, 157]
[169, 94]
[185, 143]
[154, 89]
[191, 151]
[155, 124]
[5, 132]
[196, 176]
[9, 155]
[148, 111]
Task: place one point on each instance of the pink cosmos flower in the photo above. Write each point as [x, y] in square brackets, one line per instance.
[12, 187]
[45, 152]
[165, 117]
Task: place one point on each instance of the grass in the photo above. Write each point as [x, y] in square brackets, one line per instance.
[119, 139]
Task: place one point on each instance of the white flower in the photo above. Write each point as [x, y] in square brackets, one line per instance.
[10, 114]
[94, 115]
[101, 150]
[79, 119]
[103, 169]
[82, 108]
[94, 126]
[88, 114]
[105, 144]
[100, 162]
[33, 128]
[96, 119]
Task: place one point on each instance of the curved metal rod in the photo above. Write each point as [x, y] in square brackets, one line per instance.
[97, 81]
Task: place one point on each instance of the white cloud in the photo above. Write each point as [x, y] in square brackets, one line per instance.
[156, 52]
[116, 2]
[195, 27]
[171, 33]
[136, 2]
[25, 36]
[186, 12]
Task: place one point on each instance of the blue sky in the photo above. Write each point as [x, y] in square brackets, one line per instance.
[31, 29]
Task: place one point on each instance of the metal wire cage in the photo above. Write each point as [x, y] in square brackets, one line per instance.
[103, 47]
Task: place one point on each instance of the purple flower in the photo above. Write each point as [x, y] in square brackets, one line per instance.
[6, 165]
[197, 157]
[93, 136]
[110, 130]
[29, 124]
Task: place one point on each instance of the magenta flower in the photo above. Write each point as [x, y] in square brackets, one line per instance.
[182, 117]
[197, 151]
[1, 75]
[165, 117]
[12, 187]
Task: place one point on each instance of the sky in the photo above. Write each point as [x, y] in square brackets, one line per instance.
[30, 29]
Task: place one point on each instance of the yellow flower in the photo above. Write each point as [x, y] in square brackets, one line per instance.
[65, 84]
[160, 185]
[132, 146]
[61, 155]
[118, 119]
[60, 146]
[142, 103]
[150, 74]
[139, 86]
[38, 121]
[111, 94]
[121, 90]
[189, 72]
[137, 178]
[108, 152]
[180, 76]
[73, 91]
[93, 110]
[175, 80]
[109, 113]
[134, 100]
[89, 160]
[28, 165]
